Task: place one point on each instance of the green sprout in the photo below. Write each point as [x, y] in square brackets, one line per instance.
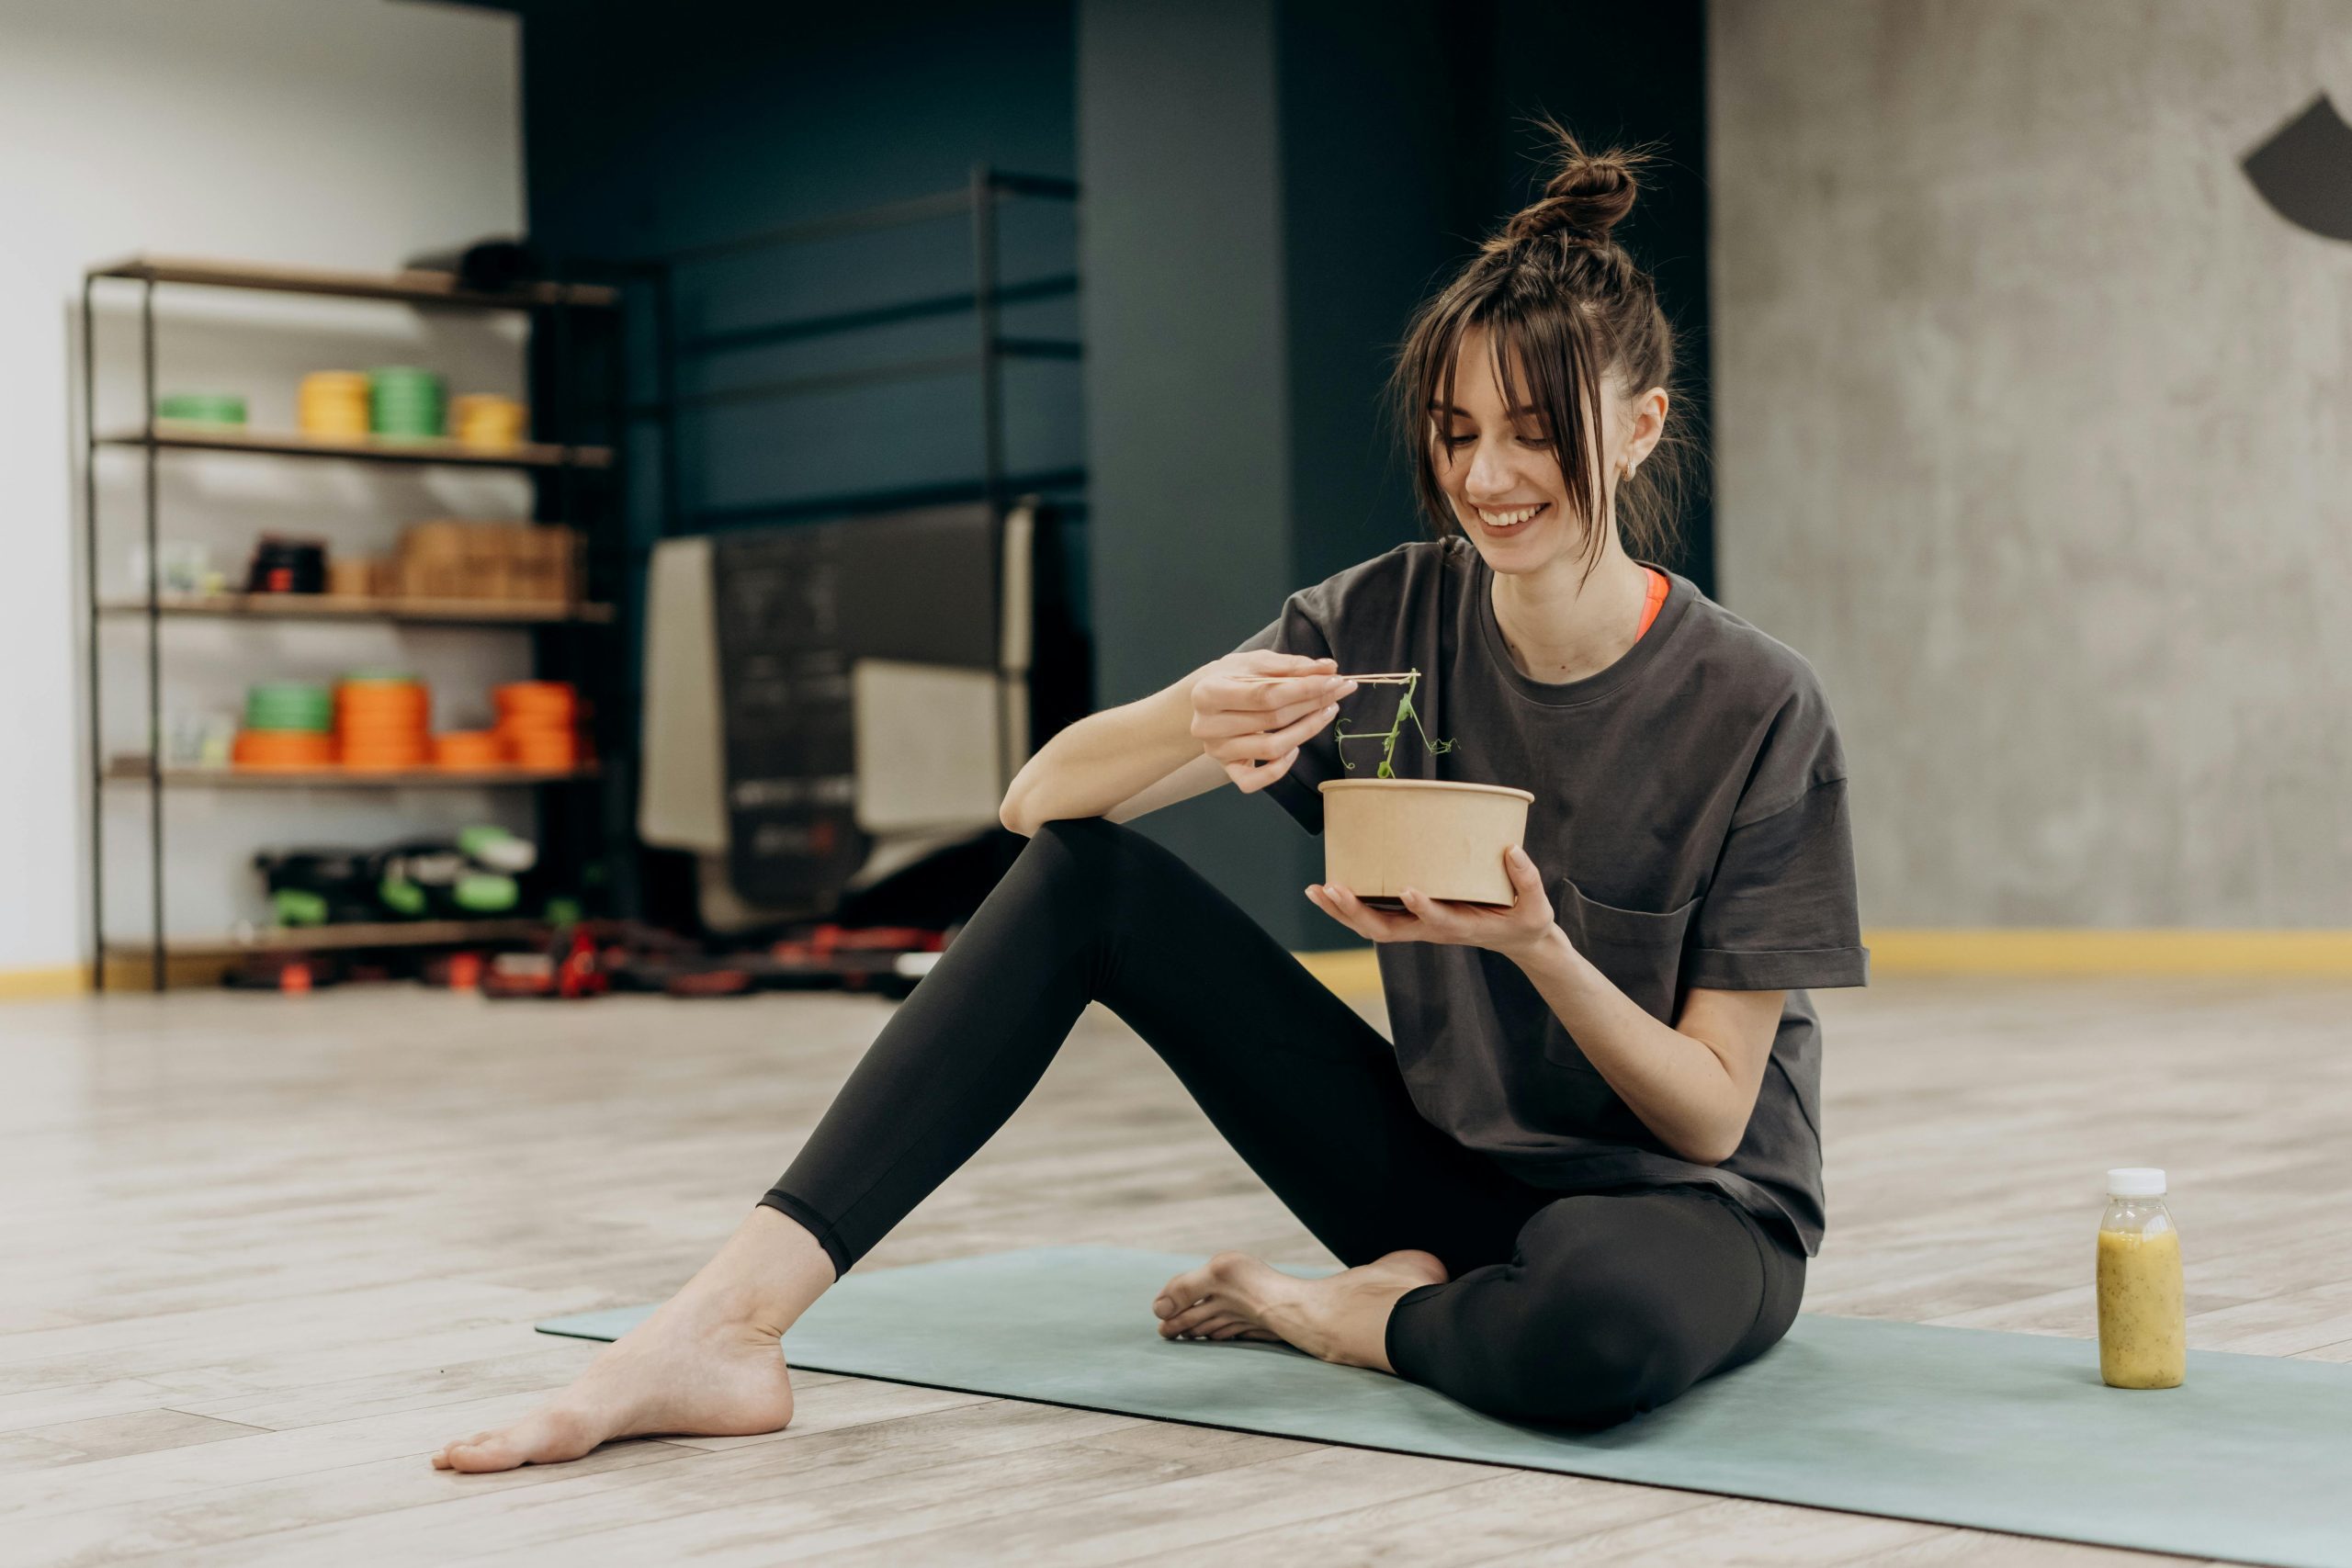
[1387, 769]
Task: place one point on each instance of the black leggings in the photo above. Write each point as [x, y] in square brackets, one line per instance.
[1584, 1309]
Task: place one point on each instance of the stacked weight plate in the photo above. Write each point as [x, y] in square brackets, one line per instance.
[383, 721]
[487, 421]
[289, 726]
[203, 408]
[539, 723]
[406, 403]
[334, 403]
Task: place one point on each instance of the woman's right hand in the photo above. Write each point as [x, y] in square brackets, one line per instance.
[1255, 727]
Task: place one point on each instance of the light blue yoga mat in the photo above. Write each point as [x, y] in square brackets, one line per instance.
[2249, 1460]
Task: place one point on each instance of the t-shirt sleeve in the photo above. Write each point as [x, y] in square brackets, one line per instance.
[1300, 629]
[1782, 911]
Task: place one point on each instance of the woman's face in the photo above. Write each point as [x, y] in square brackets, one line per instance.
[1500, 468]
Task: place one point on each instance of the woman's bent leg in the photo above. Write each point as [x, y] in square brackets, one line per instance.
[1303, 1087]
[1306, 1092]
[1615, 1304]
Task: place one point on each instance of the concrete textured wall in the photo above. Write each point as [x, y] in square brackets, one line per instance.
[2032, 434]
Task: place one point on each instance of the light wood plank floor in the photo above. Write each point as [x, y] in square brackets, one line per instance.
[263, 1255]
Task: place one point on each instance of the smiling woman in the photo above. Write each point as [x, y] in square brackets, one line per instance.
[1567, 326]
[1584, 1173]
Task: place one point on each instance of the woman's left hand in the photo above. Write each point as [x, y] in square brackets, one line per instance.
[1514, 931]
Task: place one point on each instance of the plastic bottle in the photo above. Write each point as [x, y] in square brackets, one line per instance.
[2143, 1325]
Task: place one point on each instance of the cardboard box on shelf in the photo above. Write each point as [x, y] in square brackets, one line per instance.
[537, 563]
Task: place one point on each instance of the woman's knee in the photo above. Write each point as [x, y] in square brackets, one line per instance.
[1527, 1348]
[1602, 1371]
[1103, 857]
[1070, 851]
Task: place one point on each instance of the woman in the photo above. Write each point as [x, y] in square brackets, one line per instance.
[1586, 1173]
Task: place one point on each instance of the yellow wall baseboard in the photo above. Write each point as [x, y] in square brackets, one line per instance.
[2020, 950]
[1913, 950]
[2062, 950]
[57, 980]
[1350, 971]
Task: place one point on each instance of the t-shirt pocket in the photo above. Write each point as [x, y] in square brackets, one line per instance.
[1642, 954]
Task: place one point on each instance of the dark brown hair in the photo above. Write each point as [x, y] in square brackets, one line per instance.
[1567, 304]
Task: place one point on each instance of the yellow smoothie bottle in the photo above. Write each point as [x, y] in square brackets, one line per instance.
[2143, 1325]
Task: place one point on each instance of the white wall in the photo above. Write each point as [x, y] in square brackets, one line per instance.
[2032, 424]
[332, 132]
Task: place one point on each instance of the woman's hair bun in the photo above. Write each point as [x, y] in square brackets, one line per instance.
[1587, 194]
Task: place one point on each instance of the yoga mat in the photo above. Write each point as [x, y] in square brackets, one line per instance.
[2246, 1460]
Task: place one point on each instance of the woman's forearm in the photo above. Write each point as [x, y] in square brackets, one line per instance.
[1682, 1087]
[1103, 759]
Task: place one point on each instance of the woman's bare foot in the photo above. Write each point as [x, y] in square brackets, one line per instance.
[707, 1362]
[1343, 1318]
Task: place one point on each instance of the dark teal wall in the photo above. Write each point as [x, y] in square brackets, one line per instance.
[652, 130]
[1629, 73]
[1271, 185]
[1193, 523]
[655, 127]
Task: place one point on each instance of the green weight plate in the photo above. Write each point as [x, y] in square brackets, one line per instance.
[206, 408]
[401, 898]
[298, 906]
[485, 893]
[288, 716]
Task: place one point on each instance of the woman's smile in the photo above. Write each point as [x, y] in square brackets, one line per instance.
[1504, 521]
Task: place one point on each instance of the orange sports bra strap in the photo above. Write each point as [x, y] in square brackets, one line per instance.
[1657, 597]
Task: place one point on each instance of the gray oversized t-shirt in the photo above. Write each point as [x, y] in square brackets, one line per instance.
[1689, 822]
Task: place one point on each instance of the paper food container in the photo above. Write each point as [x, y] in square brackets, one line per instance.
[1382, 836]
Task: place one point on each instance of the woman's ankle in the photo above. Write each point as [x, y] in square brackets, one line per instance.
[765, 1275]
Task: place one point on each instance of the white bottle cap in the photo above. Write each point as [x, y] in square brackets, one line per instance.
[2136, 1181]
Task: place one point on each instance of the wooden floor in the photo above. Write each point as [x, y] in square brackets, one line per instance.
[259, 1256]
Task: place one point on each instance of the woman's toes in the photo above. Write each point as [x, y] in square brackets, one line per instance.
[1184, 1290]
[1220, 1300]
[1230, 1266]
[442, 1459]
[1189, 1321]
[549, 1437]
[499, 1450]
[1219, 1328]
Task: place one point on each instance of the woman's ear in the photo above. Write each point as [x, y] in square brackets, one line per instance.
[1649, 424]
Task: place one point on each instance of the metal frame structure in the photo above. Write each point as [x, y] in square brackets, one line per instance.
[562, 458]
[994, 486]
[979, 198]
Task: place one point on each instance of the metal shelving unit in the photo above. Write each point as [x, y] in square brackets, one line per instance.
[342, 607]
[142, 770]
[173, 436]
[556, 457]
